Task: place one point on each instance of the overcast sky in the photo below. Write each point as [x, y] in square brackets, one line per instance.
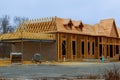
[89, 11]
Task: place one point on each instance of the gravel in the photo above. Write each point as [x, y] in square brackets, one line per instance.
[46, 70]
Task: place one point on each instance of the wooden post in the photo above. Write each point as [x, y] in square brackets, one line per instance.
[40, 47]
[91, 48]
[78, 48]
[22, 45]
[97, 47]
[85, 48]
[58, 43]
[69, 53]
[21, 30]
[60, 47]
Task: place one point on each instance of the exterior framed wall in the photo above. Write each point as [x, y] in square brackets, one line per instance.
[87, 47]
[47, 50]
[75, 47]
[109, 45]
[91, 47]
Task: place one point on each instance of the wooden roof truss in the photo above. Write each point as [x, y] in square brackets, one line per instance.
[37, 26]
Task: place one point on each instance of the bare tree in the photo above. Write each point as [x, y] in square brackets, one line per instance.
[5, 26]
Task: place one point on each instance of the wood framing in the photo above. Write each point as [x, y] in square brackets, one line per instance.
[71, 40]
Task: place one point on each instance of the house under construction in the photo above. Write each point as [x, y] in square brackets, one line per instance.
[58, 39]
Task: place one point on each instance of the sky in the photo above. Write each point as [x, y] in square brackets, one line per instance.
[89, 11]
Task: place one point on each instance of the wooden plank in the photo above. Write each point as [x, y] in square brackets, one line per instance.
[78, 48]
[69, 48]
[85, 48]
[58, 46]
